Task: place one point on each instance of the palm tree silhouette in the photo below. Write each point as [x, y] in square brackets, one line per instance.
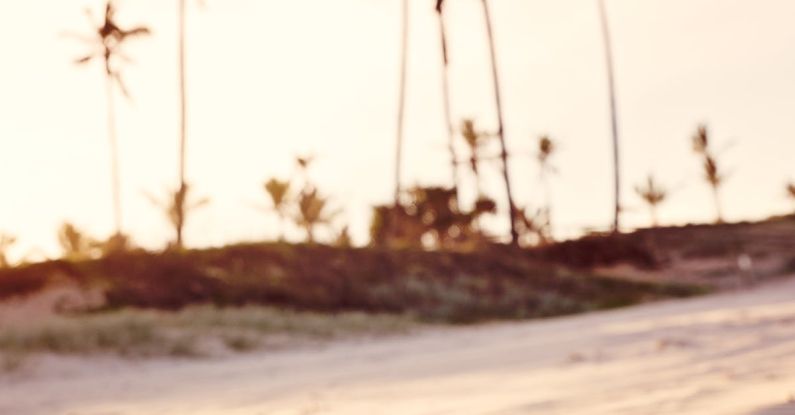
[475, 140]
[513, 212]
[404, 29]
[448, 118]
[653, 194]
[546, 148]
[76, 245]
[613, 115]
[712, 174]
[791, 190]
[183, 104]
[313, 211]
[176, 208]
[107, 42]
[278, 191]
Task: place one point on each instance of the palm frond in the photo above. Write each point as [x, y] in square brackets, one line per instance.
[84, 59]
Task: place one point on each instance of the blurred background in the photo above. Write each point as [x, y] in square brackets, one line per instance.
[270, 80]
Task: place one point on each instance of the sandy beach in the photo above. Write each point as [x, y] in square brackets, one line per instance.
[726, 354]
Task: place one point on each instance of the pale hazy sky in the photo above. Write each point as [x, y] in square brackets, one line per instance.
[270, 79]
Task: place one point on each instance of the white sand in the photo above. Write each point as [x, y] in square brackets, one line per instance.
[726, 354]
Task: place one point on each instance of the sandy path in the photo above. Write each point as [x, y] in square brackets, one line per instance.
[726, 354]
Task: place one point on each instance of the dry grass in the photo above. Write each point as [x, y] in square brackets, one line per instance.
[193, 331]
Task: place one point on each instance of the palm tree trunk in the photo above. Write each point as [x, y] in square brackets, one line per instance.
[718, 209]
[448, 117]
[653, 211]
[114, 158]
[182, 113]
[401, 95]
[613, 115]
[501, 127]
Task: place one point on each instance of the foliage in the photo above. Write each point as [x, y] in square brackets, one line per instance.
[148, 333]
[534, 226]
[475, 140]
[712, 173]
[176, 209]
[108, 44]
[491, 282]
[546, 148]
[431, 218]
[75, 244]
[653, 194]
[313, 211]
[279, 192]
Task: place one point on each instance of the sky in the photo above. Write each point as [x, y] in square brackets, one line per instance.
[269, 80]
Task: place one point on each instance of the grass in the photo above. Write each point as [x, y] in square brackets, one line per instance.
[193, 331]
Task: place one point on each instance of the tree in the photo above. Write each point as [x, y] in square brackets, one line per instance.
[76, 245]
[712, 174]
[313, 211]
[6, 242]
[278, 190]
[107, 42]
[475, 140]
[613, 115]
[653, 194]
[430, 218]
[404, 35]
[791, 190]
[546, 148]
[176, 208]
[447, 114]
[512, 211]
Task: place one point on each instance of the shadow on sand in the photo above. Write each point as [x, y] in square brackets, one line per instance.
[784, 409]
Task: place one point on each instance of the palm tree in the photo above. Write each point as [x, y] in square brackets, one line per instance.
[475, 140]
[278, 191]
[546, 148]
[183, 110]
[75, 244]
[712, 174]
[791, 190]
[404, 29]
[512, 215]
[448, 118]
[613, 115]
[107, 42]
[313, 212]
[176, 208]
[653, 194]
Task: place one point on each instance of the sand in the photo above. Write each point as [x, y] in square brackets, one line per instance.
[727, 354]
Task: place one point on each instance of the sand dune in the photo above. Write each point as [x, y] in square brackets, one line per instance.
[731, 354]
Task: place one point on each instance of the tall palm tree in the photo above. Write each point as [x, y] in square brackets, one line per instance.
[183, 104]
[448, 118]
[475, 140]
[513, 212]
[183, 110]
[613, 115]
[107, 42]
[653, 194]
[712, 174]
[546, 148]
[404, 28]
[176, 207]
